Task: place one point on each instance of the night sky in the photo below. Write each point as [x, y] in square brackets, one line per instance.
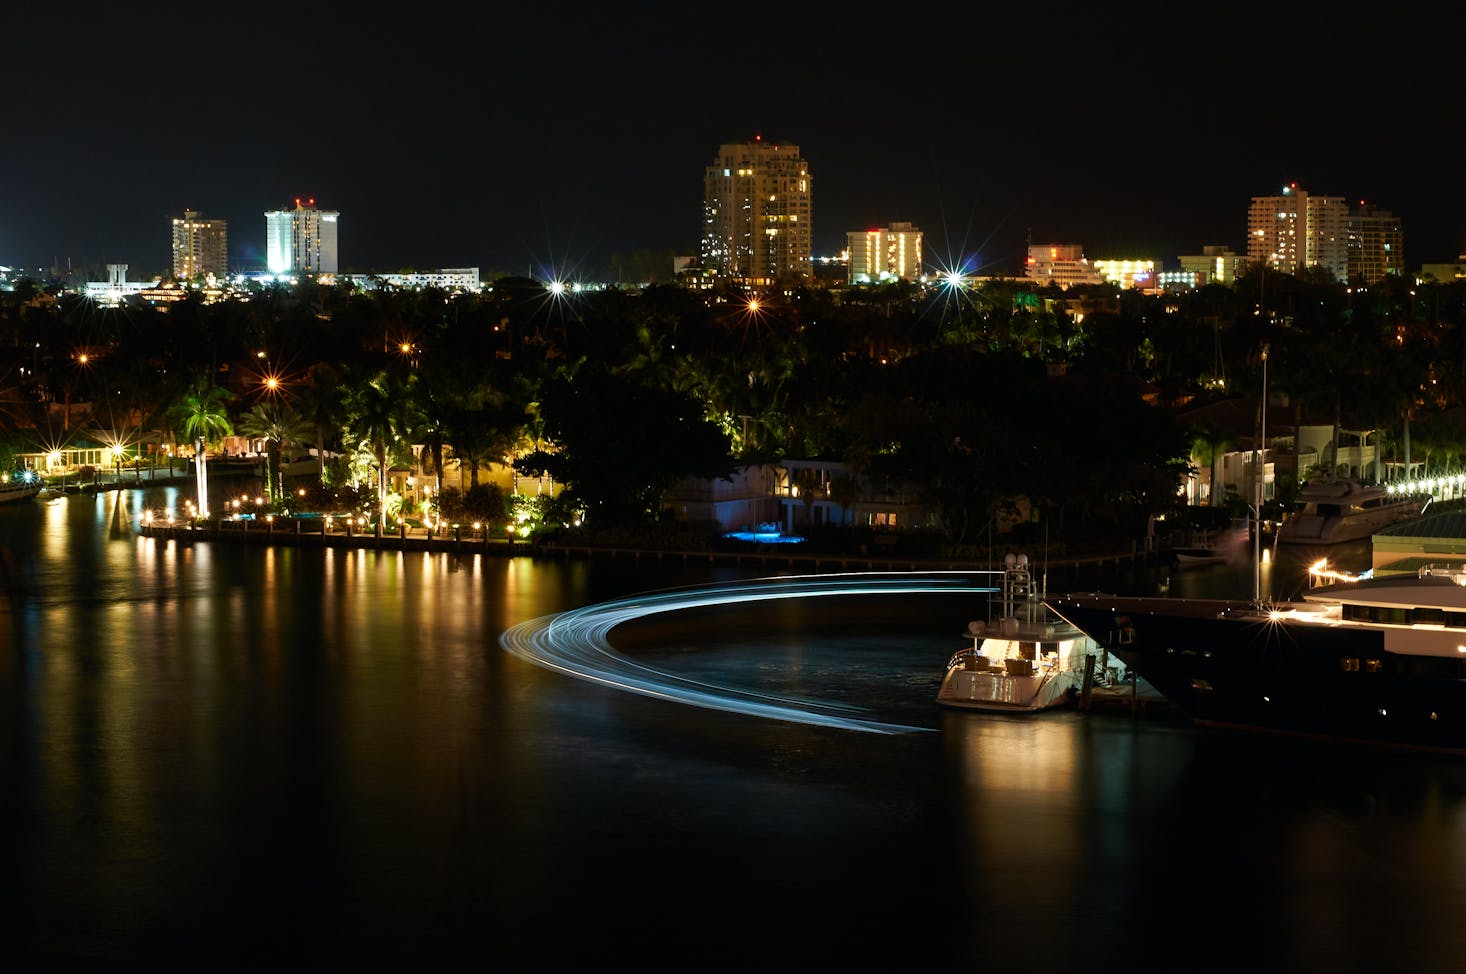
[544, 138]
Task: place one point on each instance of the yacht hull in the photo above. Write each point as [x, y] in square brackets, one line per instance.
[1223, 664]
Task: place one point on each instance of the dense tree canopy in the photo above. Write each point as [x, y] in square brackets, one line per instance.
[621, 440]
[976, 393]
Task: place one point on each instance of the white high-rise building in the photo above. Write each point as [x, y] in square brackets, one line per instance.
[1295, 230]
[892, 254]
[301, 240]
[756, 213]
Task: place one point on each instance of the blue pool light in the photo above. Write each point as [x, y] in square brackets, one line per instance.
[765, 533]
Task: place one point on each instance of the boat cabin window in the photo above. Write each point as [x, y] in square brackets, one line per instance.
[1389, 615]
[1423, 616]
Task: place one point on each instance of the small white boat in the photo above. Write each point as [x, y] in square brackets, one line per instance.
[49, 493]
[1028, 659]
[1196, 557]
[21, 487]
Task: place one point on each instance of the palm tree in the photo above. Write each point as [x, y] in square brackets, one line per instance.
[203, 419]
[377, 419]
[275, 424]
[320, 405]
[482, 437]
[435, 404]
[845, 490]
[1208, 445]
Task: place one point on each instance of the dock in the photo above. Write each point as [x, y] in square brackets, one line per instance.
[1130, 700]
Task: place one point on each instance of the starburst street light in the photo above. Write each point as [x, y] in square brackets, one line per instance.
[751, 317]
[954, 289]
[115, 446]
[273, 381]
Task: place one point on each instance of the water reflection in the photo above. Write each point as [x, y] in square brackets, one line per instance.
[216, 749]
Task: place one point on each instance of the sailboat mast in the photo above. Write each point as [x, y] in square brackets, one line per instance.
[1260, 473]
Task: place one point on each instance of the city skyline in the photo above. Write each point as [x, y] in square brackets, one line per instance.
[502, 144]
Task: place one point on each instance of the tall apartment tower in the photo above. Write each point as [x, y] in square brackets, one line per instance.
[1296, 230]
[891, 254]
[756, 213]
[302, 240]
[200, 247]
[1376, 244]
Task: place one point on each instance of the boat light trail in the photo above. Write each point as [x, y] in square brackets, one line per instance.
[576, 642]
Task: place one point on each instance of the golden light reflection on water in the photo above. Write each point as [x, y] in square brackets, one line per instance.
[55, 541]
[1032, 756]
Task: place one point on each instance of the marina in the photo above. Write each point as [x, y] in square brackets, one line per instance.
[240, 751]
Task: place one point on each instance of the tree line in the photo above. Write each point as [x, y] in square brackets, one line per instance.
[975, 392]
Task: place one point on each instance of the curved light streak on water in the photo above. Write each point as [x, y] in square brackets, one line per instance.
[576, 642]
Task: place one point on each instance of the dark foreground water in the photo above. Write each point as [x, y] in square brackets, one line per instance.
[218, 757]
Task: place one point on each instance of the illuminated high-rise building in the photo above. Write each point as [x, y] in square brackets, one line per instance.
[756, 213]
[302, 240]
[200, 247]
[1376, 244]
[892, 254]
[1295, 230]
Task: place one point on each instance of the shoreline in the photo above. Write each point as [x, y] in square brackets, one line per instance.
[467, 541]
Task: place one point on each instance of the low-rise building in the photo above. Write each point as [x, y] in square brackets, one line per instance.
[876, 256]
[1061, 264]
[738, 502]
[447, 279]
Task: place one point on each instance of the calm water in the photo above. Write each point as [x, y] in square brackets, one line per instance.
[217, 757]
